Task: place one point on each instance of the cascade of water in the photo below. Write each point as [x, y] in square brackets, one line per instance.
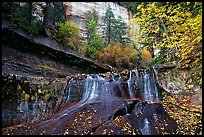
[126, 110]
[118, 83]
[68, 90]
[150, 86]
[146, 130]
[87, 89]
[35, 103]
[93, 88]
[147, 87]
[131, 86]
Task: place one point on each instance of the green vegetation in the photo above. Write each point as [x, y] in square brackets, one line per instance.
[94, 42]
[120, 31]
[115, 30]
[68, 34]
[91, 22]
[95, 45]
[20, 15]
[28, 16]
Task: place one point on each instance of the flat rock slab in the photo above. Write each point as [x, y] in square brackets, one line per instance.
[101, 118]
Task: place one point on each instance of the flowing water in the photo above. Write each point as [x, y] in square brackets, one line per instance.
[146, 129]
[97, 88]
[146, 83]
[68, 89]
[148, 95]
[150, 86]
[107, 90]
[131, 89]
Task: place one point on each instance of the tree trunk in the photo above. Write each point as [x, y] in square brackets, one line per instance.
[109, 29]
[45, 18]
[56, 12]
[30, 12]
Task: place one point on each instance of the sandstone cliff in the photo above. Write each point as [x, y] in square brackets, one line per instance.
[75, 11]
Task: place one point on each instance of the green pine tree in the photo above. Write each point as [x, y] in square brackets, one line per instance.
[108, 25]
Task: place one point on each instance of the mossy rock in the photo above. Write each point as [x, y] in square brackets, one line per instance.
[125, 77]
[39, 91]
[45, 91]
[47, 97]
[27, 97]
[32, 98]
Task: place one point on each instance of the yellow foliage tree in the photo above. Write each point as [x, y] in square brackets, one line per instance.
[146, 55]
[174, 28]
[118, 55]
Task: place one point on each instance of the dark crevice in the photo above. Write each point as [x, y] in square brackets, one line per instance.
[130, 108]
[94, 128]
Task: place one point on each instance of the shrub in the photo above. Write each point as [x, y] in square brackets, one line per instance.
[118, 56]
[95, 45]
[68, 33]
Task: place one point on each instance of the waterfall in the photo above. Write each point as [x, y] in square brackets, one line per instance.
[118, 83]
[35, 109]
[150, 87]
[93, 89]
[106, 90]
[68, 89]
[131, 83]
[148, 96]
[146, 129]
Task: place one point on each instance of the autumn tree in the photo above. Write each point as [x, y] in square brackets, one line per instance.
[68, 34]
[175, 28]
[118, 55]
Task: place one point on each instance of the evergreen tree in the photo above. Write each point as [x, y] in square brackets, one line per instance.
[91, 22]
[115, 30]
[108, 23]
[120, 30]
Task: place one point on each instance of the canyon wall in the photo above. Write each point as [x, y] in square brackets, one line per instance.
[76, 11]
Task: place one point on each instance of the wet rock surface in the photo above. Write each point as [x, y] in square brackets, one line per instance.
[92, 119]
[95, 106]
[26, 64]
[35, 72]
[26, 98]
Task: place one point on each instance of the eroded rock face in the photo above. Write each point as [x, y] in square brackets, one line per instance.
[35, 72]
[30, 53]
[29, 98]
[178, 81]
